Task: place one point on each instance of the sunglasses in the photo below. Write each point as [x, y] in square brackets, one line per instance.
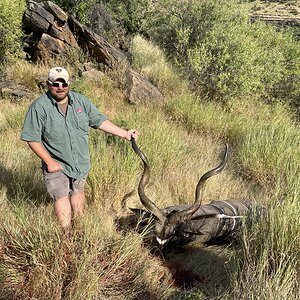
[58, 84]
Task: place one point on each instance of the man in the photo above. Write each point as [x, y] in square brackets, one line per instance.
[56, 129]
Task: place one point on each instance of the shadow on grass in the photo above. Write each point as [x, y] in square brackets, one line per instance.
[23, 187]
[201, 271]
[196, 268]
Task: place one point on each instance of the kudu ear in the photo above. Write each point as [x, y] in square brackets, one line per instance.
[141, 213]
[144, 217]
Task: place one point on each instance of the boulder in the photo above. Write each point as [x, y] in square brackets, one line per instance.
[89, 70]
[36, 18]
[48, 18]
[141, 90]
[48, 31]
[95, 45]
[10, 89]
[51, 33]
[48, 47]
[57, 12]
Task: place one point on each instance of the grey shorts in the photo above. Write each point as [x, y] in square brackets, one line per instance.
[59, 185]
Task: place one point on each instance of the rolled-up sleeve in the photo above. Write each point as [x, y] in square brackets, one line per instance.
[95, 117]
[33, 126]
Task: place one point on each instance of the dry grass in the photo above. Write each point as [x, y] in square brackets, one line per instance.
[151, 62]
[182, 141]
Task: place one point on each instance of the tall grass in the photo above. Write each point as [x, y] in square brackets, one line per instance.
[274, 159]
[269, 260]
[150, 61]
[183, 139]
[267, 153]
[96, 263]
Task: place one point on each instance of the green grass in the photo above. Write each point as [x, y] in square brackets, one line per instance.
[151, 62]
[182, 140]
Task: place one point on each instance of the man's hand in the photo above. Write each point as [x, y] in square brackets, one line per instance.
[54, 166]
[110, 127]
[41, 152]
[131, 133]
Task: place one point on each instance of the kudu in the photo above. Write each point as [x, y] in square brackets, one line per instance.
[182, 224]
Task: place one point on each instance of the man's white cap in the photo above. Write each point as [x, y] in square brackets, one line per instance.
[58, 73]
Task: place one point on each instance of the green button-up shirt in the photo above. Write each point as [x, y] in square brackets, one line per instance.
[65, 137]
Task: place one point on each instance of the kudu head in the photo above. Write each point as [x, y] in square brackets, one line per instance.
[168, 223]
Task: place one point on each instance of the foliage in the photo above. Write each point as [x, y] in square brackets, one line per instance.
[10, 29]
[105, 23]
[241, 60]
[80, 9]
[223, 66]
[178, 26]
[224, 55]
[131, 14]
[286, 88]
[119, 20]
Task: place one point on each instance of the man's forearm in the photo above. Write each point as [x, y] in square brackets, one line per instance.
[109, 127]
[40, 151]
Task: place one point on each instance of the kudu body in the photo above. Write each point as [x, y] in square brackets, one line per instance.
[182, 224]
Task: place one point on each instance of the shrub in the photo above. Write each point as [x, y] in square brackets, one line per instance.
[224, 54]
[239, 60]
[179, 25]
[10, 29]
[80, 9]
[131, 15]
[287, 89]
[222, 65]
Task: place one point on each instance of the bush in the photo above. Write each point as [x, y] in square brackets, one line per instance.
[80, 9]
[179, 25]
[131, 14]
[223, 65]
[118, 20]
[224, 54]
[10, 29]
[239, 60]
[287, 88]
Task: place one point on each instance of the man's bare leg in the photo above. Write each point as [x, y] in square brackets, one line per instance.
[78, 203]
[63, 211]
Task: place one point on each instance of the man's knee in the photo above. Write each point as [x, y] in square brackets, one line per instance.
[62, 207]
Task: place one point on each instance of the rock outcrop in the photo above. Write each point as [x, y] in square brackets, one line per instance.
[140, 90]
[12, 90]
[51, 32]
[276, 19]
[47, 29]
